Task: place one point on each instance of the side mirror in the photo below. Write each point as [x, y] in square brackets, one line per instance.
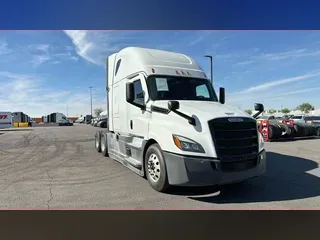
[173, 105]
[222, 95]
[259, 107]
[129, 92]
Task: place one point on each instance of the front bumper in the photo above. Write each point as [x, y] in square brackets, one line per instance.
[196, 171]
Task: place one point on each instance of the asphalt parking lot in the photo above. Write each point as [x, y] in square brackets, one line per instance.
[59, 168]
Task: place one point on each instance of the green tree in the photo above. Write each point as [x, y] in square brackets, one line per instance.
[249, 111]
[285, 110]
[97, 111]
[305, 107]
[272, 111]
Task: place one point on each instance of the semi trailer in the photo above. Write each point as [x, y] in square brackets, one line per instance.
[87, 119]
[57, 117]
[167, 124]
[6, 119]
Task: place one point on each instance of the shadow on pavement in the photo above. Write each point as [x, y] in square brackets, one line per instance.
[286, 179]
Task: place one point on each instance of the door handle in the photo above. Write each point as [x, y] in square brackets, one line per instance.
[131, 124]
[117, 136]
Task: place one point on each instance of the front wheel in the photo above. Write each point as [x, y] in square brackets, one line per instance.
[156, 171]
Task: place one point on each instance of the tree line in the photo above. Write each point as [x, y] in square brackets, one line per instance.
[304, 107]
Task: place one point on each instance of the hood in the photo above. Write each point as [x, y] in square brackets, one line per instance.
[205, 110]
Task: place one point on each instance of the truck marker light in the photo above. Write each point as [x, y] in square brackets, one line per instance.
[182, 72]
[188, 73]
[177, 72]
[177, 142]
[153, 71]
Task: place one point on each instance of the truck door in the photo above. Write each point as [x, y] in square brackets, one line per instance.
[138, 119]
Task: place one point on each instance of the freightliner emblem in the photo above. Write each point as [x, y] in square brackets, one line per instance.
[235, 119]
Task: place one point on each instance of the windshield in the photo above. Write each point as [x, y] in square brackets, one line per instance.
[180, 88]
[296, 117]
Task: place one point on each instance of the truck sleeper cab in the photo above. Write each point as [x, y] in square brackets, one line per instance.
[166, 123]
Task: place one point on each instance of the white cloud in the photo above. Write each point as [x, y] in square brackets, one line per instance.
[40, 54]
[245, 62]
[270, 96]
[275, 83]
[4, 49]
[85, 46]
[96, 46]
[296, 53]
[196, 41]
[30, 94]
[45, 53]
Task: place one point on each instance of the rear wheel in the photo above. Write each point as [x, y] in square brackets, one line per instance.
[97, 141]
[104, 145]
[155, 167]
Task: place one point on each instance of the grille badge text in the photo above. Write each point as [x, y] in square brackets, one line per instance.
[235, 119]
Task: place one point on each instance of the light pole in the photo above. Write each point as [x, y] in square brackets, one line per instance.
[211, 69]
[91, 99]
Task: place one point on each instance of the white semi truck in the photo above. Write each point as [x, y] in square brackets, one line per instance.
[166, 123]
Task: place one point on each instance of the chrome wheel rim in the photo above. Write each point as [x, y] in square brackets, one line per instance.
[103, 145]
[154, 167]
[97, 142]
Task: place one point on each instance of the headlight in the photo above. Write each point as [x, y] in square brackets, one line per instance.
[261, 142]
[186, 144]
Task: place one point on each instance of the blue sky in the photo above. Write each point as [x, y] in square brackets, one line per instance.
[46, 71]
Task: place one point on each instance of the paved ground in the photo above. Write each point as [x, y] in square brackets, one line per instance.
[58, 167]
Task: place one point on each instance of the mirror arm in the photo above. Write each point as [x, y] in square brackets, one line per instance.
[191, 120]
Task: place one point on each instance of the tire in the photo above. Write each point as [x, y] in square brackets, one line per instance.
[279, 131]
[271, 132]
[318, 132]
[104, 125]
[104, 145]
[298, 130]
[292, 132]
[154, 164]
[97, 141]
[286, 130]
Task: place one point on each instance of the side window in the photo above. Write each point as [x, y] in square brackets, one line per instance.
[138, 92]
[117, 67]
[202, 91]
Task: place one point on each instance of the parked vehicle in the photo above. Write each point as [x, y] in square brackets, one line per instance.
[266, 117]
[298, 118]
[286, 117]
[57, 117]
[314, 120]
[166, 122]
[64, 122]
[87, 119]
[80, 120]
